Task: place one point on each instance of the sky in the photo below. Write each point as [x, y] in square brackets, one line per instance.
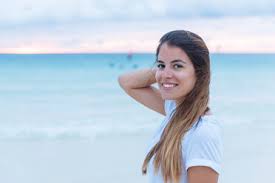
[100, 26]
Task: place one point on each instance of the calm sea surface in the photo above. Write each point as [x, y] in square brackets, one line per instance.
[65, 96]
[64, 118]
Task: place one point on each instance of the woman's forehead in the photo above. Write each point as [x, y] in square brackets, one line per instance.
[169, 54]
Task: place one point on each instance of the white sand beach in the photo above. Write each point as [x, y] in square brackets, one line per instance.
[248, 157]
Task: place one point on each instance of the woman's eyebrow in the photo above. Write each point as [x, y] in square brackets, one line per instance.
[173, 61]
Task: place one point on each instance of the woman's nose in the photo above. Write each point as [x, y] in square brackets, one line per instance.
[167, 72]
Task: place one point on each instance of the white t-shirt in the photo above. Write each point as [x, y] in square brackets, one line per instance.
[201, 145]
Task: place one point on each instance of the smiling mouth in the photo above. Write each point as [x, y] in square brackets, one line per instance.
[168, 85]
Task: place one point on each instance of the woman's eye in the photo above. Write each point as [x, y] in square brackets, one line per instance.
[177, 66]
[160, 66]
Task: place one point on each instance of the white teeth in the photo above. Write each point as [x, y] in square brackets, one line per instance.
[168, 85]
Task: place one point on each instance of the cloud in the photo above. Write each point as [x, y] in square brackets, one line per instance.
[122, 25]
[226, 34]
[52, 11]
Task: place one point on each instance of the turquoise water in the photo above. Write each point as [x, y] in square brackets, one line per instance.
[72, 96]
[65, 119]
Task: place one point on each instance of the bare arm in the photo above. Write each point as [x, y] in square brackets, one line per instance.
[138, 84]
[202, 174]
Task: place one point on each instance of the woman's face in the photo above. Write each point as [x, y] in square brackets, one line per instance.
[175, 73]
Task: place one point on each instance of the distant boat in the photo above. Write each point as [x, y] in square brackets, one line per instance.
[129, 56]
[135, 66]
[111, 64]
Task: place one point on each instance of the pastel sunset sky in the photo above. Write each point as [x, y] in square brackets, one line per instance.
[100, 26]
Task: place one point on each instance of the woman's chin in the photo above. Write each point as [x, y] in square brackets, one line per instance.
[168, 98]
[177, 99]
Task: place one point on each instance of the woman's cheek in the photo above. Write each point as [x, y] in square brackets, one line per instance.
[157, 76]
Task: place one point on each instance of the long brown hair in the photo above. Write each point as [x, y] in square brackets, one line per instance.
[168, 151]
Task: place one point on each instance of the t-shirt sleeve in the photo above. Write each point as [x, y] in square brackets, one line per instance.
[169, 106]
[205, 148]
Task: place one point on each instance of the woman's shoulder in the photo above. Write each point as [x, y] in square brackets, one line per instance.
[203, 146]
[210, 120]
[208, 127]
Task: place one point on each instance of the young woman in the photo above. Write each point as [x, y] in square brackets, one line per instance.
[187, 147]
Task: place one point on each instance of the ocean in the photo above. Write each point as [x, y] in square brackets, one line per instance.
[65, 119]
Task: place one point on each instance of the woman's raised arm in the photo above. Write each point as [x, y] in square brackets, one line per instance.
[138, 84]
